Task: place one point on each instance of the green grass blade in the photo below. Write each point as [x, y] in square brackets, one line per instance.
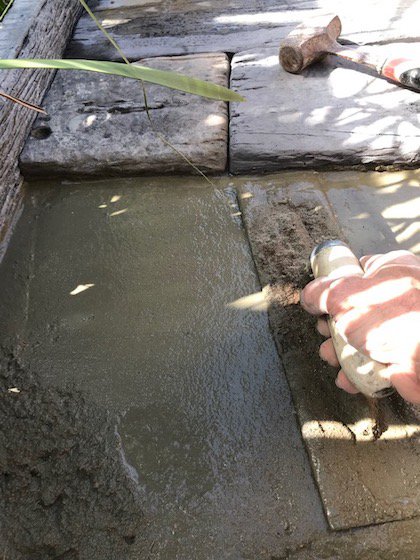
[105, 32]
[143, 88]
[4, 8]
[161, 77]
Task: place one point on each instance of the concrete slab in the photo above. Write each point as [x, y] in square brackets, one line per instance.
[363, 480]
[151, 353]
[97, 124]
[141, 298]
[329, 116]
[157, 27]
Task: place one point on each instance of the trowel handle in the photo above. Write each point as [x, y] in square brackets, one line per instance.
[335, 259]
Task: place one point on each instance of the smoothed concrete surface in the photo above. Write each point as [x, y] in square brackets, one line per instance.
[119, 290]
[143, 295]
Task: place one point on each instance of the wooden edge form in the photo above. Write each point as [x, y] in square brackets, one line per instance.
[47, 33]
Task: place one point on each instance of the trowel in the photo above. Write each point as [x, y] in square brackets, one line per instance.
[335, 259]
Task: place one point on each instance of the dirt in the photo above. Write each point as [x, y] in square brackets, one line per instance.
[67, 492]
[284, 234]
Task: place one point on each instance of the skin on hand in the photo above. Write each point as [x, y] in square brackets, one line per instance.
[378, 313]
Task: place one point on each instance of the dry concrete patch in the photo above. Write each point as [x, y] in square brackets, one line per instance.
[157, 27]
[362, 480]
[331, 115]
[97, 124]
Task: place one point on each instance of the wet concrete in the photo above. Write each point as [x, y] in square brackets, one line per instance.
[140, 300]
[143, 295]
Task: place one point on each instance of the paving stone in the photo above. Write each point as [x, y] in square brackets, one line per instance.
[158, 27]
[331, 115]
[97, 124]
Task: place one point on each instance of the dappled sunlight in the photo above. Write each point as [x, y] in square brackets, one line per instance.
[89, 121]
[403, 210]
[214, 120]
[119, 212]
[111, 22]
[268, 62]
[344, 83]
[373, 132]
[318, 115]
[394, 180]
[81, 288]
[260, 18]
[252, 302]
[407, 237]
[361, 216]
[361, 430]
[113, 200]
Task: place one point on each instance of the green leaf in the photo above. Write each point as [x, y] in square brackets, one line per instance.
[161, 77]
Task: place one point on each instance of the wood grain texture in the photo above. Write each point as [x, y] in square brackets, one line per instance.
[43, 33]
[332, 115]
[146, 28]
[98, 124]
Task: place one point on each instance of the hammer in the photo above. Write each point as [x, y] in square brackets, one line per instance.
[305, 45]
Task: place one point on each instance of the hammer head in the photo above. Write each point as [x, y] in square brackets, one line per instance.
[306, 44]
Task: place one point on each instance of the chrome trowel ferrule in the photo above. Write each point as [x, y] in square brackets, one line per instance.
[334, 259]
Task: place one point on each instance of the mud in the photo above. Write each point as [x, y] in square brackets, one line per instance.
[67, 492]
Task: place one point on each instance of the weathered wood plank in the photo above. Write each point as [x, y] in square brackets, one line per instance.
[162, 27]
[331, 115]
[15, 26]
[97, 125]
[44, 31]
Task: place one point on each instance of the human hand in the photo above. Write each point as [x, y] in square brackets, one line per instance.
[379, 315]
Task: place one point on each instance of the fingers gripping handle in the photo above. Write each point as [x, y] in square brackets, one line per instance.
[335, 259]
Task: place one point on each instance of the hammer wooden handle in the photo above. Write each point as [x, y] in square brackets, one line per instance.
[335, 259]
